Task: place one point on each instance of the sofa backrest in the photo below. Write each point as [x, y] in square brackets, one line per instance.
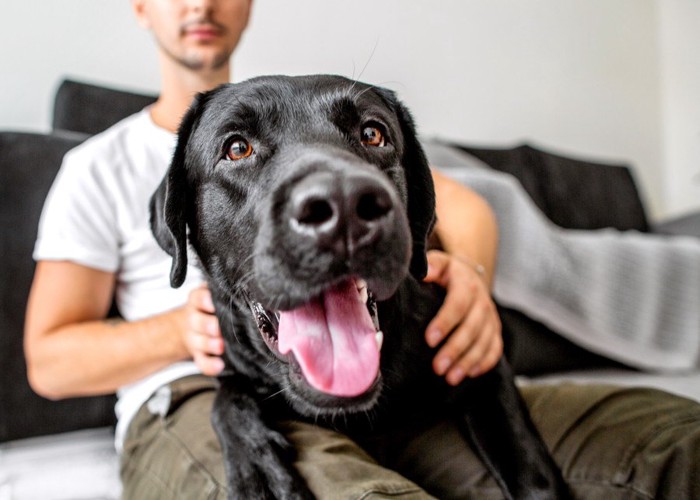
[90, 109]
[574, 193]
[28, 165]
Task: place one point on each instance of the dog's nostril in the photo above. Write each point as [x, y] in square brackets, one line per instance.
[315, 213]
[371, 207]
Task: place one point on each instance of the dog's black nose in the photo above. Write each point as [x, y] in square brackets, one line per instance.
[340, 213]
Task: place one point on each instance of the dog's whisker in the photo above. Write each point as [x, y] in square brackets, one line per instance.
[277, 303]
[242, 283]
[246, 262]
[274, 394]
[359, 94]
[232, 328]
[370, 415]
[392, 83]
[369, 59]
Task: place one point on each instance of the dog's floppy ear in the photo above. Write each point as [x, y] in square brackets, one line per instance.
[420, 189]
[168, 203]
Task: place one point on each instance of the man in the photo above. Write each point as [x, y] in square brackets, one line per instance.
[94, 236]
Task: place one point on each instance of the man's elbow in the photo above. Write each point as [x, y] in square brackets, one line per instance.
[41, 386]
[41, 380]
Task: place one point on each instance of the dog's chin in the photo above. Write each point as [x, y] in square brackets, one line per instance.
[321, 377]
[308, 401]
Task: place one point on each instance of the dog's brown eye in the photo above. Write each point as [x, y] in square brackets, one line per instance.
[373, 136]
[238, 149]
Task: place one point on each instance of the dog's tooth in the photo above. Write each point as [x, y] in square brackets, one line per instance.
[364, 295]
[361, 286]
[380, 339]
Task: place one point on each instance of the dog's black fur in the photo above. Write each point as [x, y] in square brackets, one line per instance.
[334, 188]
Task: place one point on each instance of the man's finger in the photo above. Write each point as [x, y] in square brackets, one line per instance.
[209, 365]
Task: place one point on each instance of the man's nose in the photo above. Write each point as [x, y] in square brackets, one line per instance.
[201, 6]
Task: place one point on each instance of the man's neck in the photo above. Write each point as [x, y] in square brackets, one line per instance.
[179, 86]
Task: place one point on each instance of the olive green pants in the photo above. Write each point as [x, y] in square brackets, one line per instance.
[611, 443]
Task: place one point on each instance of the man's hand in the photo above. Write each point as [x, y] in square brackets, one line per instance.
[468, 315]
[202, 336]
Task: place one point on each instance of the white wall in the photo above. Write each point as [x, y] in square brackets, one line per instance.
[680, 77]
[598, 78]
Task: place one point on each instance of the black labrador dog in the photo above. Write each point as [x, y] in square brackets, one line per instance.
[308, 202]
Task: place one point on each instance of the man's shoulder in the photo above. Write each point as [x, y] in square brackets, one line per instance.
[113, 140]
[123, 149]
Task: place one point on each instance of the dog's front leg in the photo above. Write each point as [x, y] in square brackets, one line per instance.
[258, 459]
[497, 423]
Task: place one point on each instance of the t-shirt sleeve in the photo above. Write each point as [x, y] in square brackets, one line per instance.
[78, 222]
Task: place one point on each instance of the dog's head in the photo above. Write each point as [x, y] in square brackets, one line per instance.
[308, 198]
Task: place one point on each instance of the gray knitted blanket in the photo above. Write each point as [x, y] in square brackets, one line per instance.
[630, 296]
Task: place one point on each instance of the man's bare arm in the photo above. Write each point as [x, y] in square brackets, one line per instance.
[72, 350]
[468, 318]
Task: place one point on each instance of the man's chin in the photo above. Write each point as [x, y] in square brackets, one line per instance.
[206, 59]
[200, 56]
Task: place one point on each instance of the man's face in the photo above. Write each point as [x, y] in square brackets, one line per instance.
[197, 34]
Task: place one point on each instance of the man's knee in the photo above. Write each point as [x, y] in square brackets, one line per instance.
[620, 442]
[334, 466]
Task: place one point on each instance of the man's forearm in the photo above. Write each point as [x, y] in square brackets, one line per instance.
[98, 357]
[466, 226]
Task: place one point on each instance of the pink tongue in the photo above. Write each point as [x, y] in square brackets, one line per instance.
[334, 341]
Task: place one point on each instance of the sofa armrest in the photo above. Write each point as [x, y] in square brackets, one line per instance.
[686, 225]
[28, 165]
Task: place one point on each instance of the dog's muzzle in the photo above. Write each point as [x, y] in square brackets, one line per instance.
[343, 240]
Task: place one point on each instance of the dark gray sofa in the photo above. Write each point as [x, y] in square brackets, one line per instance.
[572, 192]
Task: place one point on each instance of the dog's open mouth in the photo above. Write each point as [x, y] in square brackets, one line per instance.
[334, 338]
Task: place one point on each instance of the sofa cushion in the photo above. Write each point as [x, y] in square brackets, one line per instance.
[89, 109]
[28, 164]
[533, 349]
[572, 193]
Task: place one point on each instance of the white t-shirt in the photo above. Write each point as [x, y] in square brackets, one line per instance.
[97, 215]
